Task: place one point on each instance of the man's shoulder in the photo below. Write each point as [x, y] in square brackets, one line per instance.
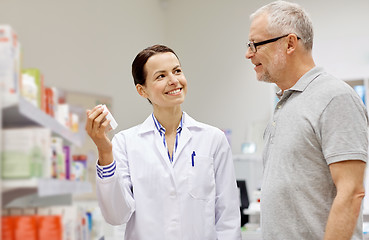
[329, 85]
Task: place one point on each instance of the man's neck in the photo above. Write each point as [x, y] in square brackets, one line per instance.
[295, 71]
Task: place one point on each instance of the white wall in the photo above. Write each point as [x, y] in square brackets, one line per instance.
[89, 45]
[211, 37]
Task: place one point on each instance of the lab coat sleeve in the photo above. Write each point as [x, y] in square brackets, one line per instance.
[227, 208]
[114, 190]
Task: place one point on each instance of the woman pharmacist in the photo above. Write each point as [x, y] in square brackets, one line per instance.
[171, 177]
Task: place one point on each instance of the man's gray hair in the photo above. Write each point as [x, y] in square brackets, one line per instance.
[284, 18]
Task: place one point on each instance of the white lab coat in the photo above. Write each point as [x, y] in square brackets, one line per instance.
[160, 200]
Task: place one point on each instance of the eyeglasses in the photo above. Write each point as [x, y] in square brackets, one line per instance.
[253, 45]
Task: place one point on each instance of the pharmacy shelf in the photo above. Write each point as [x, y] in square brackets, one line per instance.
[23, 113]
[42, 188]
[47, 187]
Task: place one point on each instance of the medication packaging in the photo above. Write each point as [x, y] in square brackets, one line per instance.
[113, 124]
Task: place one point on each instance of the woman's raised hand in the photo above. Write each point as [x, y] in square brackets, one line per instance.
[96, 124]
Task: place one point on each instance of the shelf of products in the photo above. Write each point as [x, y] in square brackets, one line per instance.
[47, 191]
[43, 159]
[23, 113]
[47, 187]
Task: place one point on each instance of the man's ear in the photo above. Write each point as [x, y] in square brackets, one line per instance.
[141, 90]
[292, 43]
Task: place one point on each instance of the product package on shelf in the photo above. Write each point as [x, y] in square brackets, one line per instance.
[33, 87]
[29, 90]
[56, 106]
[79, 167]
[10, 65]
[67, 161]
[32, 227]
[57, 169]
[69, 219]
[74, 122]
[63, 115]
[50, 101]
[60, 165]
[63, 109]
[57, 222]
[25, 151]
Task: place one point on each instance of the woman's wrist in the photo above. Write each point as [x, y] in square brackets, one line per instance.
[105, 158]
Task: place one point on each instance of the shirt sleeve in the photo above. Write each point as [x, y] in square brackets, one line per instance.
[104, 172]
[344, 129]
[227, 208]
[114, 187]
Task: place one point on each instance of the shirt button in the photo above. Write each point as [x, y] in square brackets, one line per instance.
[279, 106]
[273, 123]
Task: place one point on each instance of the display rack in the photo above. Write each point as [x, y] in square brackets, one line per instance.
[47, 187]
[36, 192]
[23, 113]
[42, 189]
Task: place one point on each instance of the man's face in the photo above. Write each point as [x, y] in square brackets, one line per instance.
[270, 59]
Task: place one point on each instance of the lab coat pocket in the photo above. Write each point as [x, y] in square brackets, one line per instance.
[201, 178]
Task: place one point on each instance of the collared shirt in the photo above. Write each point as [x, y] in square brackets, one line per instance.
[161, 131]
[318, 121]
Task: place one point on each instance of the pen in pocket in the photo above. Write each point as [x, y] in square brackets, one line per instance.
[193, 158]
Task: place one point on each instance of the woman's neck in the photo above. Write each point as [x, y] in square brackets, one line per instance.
[169, 118]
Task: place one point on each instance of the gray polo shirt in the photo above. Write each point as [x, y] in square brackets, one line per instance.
[319, 121]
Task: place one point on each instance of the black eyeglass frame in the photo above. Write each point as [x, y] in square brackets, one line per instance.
[252, 45]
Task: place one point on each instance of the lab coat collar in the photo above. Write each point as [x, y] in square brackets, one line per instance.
[188, 122]
[186, 134]
[148, 126]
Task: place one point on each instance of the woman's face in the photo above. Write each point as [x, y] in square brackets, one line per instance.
[166, 85]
